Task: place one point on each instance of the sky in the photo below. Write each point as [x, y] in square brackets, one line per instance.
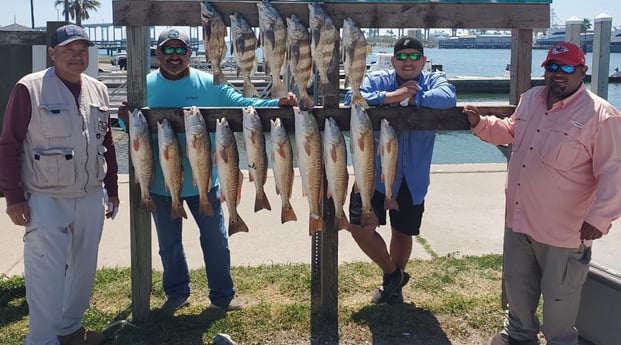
[18, 11]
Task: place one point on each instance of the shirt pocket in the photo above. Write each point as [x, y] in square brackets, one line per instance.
[561, 148]
[53, 167]
[55, 120]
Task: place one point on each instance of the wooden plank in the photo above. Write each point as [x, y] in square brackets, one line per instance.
[367, 14]
[400, 117]
[140, 220]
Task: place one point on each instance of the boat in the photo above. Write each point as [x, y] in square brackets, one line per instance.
[493, 41]
[556, 35]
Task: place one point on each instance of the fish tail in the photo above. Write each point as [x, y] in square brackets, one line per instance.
[237, 225]
[148, 204]
[287, 215]
[327, 89]
[315, 224]
[218, 77]
[178, 212]
[306, 103]
[342, 223]
[249, 89]
[206, 209]
[278, 88]
[368, 218]
[358, 99]
[261, 202]
[391, 204]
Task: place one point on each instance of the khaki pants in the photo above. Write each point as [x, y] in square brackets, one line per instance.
[532, 269]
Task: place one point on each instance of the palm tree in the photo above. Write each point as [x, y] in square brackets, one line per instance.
[78, 9]
[586, 26]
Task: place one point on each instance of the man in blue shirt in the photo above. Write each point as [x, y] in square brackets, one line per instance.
[174, 85]
[406, 85]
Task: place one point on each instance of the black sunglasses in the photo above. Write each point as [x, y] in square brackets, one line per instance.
[412, 56]
[177, 50]
[567, 69]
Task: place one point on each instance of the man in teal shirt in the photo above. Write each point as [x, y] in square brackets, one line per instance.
[175, 84]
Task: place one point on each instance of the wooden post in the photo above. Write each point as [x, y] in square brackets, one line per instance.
[601, 55]
[140, 220]
[521, 57]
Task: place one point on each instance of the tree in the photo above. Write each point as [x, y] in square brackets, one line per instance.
[78, 9]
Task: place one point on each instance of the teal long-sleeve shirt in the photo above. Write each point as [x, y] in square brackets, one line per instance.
[197, 89]
[415, 146]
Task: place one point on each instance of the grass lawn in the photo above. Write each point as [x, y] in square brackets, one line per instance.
[448, 300]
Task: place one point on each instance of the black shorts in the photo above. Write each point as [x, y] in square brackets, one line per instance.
[407, 220]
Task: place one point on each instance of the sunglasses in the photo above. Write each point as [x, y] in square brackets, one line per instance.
[412, 56]
[177, 50]
[567, 69]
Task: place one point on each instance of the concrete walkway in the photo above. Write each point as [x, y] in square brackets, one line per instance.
[464, 216]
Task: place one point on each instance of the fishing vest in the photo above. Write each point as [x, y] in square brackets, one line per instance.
[63, 152]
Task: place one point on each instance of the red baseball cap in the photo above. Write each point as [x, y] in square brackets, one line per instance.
[565, 53]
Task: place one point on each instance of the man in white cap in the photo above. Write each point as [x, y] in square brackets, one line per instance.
[57, 155]
[563, 191]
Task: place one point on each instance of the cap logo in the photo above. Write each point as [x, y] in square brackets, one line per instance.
[560, 50]
[173, 34]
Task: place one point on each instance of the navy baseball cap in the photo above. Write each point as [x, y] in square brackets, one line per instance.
[70, 33]
[408, 42]
[173, 34]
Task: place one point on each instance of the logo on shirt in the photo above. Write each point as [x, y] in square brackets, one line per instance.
[576, 124]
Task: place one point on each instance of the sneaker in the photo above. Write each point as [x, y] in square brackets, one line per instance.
[174, 303]
[233, 305]
[396, 298]
[82, 337]
[505, 339]
[391, 285]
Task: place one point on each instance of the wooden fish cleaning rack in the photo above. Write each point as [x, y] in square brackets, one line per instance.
[522, 17]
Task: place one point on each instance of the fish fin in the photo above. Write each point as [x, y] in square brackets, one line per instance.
[237, 225]
[278, 88]
[250, 178]
[368, 218]
[358, 99]
[277, 189]
[315, 224]
[342, 223]
[136, 144]
[355, 188]
[261, 203]
[223, 155]
[391, 204]
[206, 209]
[249, 90]
[383, 178]
[165, 152]
[287, 215]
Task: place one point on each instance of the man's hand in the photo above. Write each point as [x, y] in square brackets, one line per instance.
[589, 232]
[474, 116]
[288, 101]
[112, 207]
[123, 113]
[19, 213]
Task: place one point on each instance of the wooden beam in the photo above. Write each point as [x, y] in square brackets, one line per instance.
[367, 14]
[400, 117]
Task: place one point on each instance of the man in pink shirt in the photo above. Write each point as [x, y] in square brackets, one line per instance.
[563, 191]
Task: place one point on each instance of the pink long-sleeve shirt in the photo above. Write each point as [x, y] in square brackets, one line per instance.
[565, 166]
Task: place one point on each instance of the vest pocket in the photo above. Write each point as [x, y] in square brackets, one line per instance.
[54, 167]
[55, 121]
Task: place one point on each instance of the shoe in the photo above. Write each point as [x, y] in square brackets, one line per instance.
[82, 337]
[174, 303]
[392, 284]
[396, 298]
[233, 305]
[505, 339]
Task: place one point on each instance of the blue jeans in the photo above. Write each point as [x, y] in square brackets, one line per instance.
[214, 243]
